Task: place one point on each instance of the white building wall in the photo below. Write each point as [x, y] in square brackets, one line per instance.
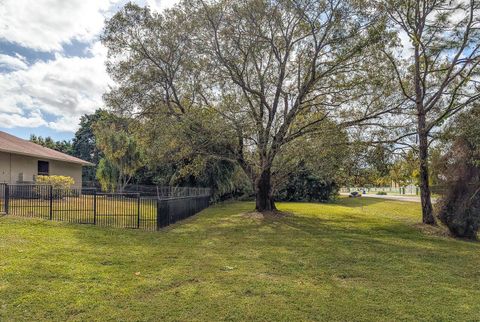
[4, 167]
[21, 164]
[12, 165]
[73, 170]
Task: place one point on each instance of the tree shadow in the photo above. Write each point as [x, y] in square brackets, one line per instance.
[339, 249]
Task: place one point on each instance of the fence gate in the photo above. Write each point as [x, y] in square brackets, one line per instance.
[3, 198]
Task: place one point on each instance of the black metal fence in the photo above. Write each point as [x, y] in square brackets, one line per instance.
[89, 206]
[3, 201]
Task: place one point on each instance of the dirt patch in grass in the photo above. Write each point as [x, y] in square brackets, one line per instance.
[266, 215]
[429, 230]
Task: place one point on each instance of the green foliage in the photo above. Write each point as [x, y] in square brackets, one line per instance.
[366, 165]
[309, 168]
[213, 93]
[84, 143]
[107, 175]
[303, 185]
[61, 186]
[381, 193]
[225, 178]
[459, 208]
[173, 153]
[404, 170]
[377, 166]
[61, 146]
[57, 182]
[123, 157]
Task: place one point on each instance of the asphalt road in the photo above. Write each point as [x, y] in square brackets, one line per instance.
[389, 197]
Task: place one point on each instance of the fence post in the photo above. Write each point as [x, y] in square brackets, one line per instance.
[95, 206]
[7, 198]
[162, 213]
[51, 201]
[138, 211]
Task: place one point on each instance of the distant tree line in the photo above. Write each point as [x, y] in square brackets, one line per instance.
[63, 146]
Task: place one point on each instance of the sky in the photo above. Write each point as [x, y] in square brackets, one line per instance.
[52, 67]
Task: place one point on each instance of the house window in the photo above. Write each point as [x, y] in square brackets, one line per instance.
[43, 168]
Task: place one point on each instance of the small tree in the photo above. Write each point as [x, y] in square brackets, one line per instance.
[84, 143]
[61, 146]
[436, 70]
[122, 154]
[107, 175]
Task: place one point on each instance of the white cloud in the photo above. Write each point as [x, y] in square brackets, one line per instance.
[47, 24]
[406, 42]
[55, 93]
[33, 119]
[66, 88]
[12, 63]
[66, 123]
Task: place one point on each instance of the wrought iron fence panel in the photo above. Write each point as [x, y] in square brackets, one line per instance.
[88, 206]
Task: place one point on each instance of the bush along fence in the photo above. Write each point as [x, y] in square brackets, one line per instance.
[90, 206]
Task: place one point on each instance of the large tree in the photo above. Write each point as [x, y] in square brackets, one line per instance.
[240, 80]
[437, 68]
[84, 144]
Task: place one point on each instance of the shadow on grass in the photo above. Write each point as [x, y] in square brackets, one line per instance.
[214, 258]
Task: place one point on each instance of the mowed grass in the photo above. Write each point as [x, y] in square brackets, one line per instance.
[353, 260]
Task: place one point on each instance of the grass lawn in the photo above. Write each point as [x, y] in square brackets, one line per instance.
[357, 259]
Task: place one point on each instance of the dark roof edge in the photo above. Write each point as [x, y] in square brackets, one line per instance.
[78, 161]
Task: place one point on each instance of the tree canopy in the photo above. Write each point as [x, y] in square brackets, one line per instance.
[63, 146]
[239, 81]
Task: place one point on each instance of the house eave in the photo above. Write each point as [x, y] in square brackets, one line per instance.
[34, 155]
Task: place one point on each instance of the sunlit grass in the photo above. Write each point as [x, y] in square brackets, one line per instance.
[357, 259]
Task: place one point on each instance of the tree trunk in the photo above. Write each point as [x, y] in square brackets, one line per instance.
[427, 209]
[263, 192]
[425, 194]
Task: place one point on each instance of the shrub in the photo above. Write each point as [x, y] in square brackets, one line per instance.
[57, 182]
[381, 193]
[459, 208]
[61, 186]
[304, 185]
